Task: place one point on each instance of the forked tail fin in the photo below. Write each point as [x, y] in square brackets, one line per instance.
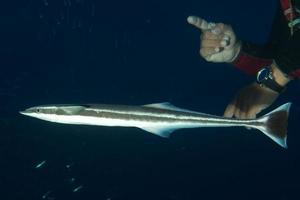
[275, 124]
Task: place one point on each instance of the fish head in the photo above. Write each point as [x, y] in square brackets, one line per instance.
[47, 113]
[52, 113]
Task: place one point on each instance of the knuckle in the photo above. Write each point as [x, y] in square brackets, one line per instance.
[243, 115]
[221, 25]
[202, 52]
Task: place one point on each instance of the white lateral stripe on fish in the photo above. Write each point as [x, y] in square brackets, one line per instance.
[160, 119]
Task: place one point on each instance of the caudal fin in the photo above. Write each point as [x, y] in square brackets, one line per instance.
[275, 124]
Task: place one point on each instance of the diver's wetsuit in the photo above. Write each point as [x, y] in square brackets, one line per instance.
[283, 47]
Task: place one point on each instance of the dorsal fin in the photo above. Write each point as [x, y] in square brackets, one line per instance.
[168, 106]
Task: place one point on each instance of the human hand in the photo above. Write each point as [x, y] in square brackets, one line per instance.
[218, 41]
[250, 101]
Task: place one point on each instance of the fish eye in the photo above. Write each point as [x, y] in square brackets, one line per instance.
[38, 110]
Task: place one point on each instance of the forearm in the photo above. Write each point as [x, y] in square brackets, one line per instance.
[249, 63]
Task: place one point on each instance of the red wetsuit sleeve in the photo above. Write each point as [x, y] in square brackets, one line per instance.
[250, 64]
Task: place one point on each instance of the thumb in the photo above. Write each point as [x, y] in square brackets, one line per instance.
[199, 23]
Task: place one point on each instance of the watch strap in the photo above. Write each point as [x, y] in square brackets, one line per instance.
[273, 85]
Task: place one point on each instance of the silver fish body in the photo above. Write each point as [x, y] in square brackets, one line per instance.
[160, 119]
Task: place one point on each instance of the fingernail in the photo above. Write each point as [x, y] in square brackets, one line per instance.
[224, 43]
[226, 37]
[191, 19]
[208, 58]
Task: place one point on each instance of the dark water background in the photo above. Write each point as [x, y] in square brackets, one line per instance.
[131, 52]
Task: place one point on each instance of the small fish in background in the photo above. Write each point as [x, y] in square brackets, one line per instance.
[160, 119]
[65, 3]
[77, 189]
[69, 166]
[71, 180]
[46, 3]
[40, 165]
[48, 196]
[69, 3]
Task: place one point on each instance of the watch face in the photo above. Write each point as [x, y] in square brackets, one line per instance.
[262, 75]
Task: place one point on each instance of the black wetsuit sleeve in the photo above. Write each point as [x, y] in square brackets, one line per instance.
[282, 47]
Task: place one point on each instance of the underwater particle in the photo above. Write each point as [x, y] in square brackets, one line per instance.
[93, 10]
[78, 188]
[41, 164]
[46, 2]
[62, 16]
[79, 23]
[116, 43]
[91, 28]
[71, 180]
[53, 31]
[47, 195]
[68, 166]
[183, 148]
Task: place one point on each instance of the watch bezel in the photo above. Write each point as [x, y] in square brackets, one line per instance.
[263, 75]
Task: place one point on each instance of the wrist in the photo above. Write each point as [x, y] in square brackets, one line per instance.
[265, 78]
[280, 78]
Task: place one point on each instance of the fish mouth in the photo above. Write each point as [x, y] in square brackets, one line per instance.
[23, 112]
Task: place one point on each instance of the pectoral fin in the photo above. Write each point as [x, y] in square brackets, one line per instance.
[160, 131]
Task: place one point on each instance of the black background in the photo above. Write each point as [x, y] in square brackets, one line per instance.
[132, 52]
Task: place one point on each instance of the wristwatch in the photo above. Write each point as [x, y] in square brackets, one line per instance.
[265, 78]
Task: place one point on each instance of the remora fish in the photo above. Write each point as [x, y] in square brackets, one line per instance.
[160, 119]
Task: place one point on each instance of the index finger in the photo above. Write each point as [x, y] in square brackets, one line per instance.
[199, 23]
